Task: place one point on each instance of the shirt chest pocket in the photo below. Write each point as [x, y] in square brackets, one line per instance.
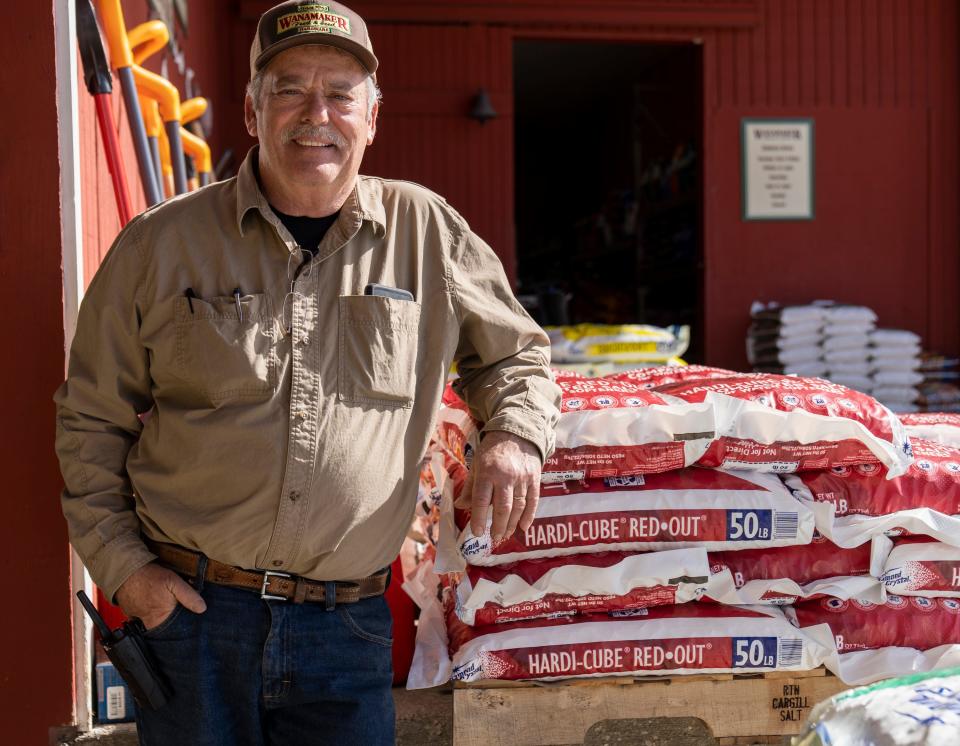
[377, 350]
[227, 354]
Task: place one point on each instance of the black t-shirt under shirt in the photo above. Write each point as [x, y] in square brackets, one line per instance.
[308, 232]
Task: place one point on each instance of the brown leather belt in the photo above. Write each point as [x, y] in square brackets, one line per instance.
[279, 586]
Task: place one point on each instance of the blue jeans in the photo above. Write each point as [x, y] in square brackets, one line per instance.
[250, 672]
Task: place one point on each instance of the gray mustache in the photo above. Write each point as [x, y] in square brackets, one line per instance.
[310, 132]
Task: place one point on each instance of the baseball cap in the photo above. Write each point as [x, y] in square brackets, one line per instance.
[296, 22]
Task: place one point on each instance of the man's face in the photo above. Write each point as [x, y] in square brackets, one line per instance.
[311, 119]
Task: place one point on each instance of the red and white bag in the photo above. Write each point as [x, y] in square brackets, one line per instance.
[662, 375]
[786, 424]
[688, 508]
[682, 639]
[610, 428]
[854, 504]
[584, 584]
[940, 427]
[917, 566]
[902, 636]
[789, 574]
[455, 431]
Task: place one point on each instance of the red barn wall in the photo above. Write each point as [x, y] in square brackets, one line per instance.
[36, 677]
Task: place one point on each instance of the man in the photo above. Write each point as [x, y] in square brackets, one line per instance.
[289, 332]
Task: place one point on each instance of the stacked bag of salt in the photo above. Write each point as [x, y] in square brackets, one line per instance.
[940, 389]
[917, 710]
[912, 522]
[787, 339]
[846, 345]
[894, 368]
[663, 495]
[596, 349]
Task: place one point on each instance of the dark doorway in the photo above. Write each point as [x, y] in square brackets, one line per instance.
[608, 145]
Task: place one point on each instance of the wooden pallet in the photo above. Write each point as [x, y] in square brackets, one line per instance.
[737, 709]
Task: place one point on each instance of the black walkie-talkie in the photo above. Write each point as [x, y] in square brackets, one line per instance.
[126, 651]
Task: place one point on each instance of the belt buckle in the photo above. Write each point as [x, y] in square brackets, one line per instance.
[266, 579]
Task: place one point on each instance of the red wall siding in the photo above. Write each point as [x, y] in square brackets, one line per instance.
[424, 135]
[36, 677]
[880, 79]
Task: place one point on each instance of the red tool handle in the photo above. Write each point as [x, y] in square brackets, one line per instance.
[112, 148]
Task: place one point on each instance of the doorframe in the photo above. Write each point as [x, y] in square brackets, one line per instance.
[701, 37]
[71, 233]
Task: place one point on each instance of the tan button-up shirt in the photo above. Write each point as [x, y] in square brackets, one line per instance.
[288, 411]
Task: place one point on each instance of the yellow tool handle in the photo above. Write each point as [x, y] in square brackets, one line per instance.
[161, 90]
[166, 165]
[193, 108]
[111, 15]
[152, 122]
[146, 39]
[195, 146]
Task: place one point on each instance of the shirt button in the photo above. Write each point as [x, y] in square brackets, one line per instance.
[294, 496]
[277, 563]
[300, 414]
[304, 340]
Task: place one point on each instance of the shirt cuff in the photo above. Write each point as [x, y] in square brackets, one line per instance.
[117, 561]
[526, 425]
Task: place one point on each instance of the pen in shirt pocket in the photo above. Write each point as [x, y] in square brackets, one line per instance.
[236, 297]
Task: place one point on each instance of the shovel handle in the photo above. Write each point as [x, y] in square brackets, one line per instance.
[146, 39]
[108, 132]
[116, 32]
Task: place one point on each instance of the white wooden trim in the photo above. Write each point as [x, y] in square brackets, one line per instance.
[72, 241]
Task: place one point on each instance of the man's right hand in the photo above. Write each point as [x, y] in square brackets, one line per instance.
[152, 593]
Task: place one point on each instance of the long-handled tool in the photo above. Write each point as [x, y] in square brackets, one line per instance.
[99, 82]
[167, 97]
[121, 58]
[200, 151]
[191, 110]
[154, 127]
[145, 40]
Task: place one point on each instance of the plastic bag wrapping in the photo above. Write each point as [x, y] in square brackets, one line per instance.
[786, 424]
[585, 583]
[918, 710]
[789, 574]
[939, 427]
[688, 508]
[663, 640]
[661, 375]
[611, 427]
[874, 641]
[851, 505]
[622, 343]
[917, 566]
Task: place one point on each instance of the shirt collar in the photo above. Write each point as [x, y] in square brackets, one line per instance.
[364, 203]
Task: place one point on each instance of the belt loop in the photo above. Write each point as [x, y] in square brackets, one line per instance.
[201, 572]
[330, 594]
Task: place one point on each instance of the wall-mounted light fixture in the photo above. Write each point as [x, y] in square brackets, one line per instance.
[482, 109]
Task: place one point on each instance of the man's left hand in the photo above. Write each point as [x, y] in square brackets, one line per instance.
[506, 475]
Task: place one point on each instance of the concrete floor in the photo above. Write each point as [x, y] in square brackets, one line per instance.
[423, 717]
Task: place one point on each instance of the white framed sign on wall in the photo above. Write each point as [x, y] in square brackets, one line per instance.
[777, 169]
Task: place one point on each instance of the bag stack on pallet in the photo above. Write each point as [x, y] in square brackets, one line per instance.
[787, 339]
[940, 389]
[631, 541]
[912, 523]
